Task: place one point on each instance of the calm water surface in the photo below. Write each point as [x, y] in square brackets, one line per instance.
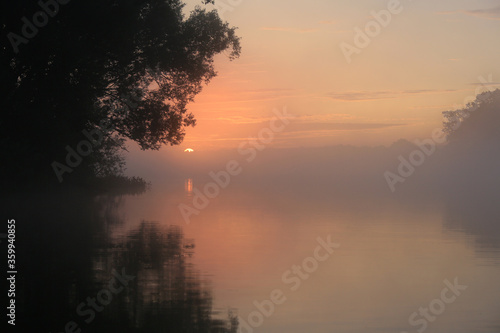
[409, 265]
[393, 262]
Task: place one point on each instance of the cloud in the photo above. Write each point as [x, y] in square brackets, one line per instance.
[265, 94]
[429, 107]
[244, 96]
[325, 117]
[382, 94]
[285, 29]
[240, 120]
[303, 119]
[488, 13]
[296, 130]
[327, 22]
[328, 127]
[308, 123]
[487, 84]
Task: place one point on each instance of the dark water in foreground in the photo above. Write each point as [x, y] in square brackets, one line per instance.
[260, 257]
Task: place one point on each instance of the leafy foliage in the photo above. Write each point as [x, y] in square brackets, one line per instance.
[475, 114]
[135, 63]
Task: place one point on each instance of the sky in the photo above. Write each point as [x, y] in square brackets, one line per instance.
[428, 57]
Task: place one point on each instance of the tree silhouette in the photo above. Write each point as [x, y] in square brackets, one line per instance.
[479, 119]
[67, 66]
[469, 163]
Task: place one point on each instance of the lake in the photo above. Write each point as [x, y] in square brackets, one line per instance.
[391, 259]
[266, 256]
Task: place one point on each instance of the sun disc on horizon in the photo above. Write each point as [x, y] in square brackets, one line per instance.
[188, 150]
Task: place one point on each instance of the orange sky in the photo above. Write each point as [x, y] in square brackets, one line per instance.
[426, 60]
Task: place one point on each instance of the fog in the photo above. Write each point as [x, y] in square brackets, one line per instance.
[429, 166]
[458, 172]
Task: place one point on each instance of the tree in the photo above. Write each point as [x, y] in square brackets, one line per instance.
[478, 119]
[67, 66]
[468, 166]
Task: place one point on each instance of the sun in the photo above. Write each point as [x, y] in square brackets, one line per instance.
[188, 150]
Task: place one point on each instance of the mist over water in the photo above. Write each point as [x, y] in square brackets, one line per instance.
[246, 253]
[281, 211]
[398, 248]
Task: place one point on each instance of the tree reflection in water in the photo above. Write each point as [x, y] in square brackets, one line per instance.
[167, 294]
[67, 255]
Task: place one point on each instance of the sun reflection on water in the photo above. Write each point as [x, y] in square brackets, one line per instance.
[188, 187]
